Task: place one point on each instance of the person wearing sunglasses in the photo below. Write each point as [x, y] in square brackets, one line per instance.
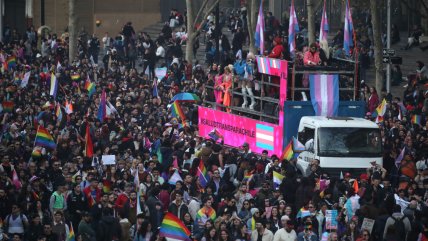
[312, 56]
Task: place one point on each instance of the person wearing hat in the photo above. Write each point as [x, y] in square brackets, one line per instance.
[286, 233]
[312, 57]
[277, 50]
[261, 232]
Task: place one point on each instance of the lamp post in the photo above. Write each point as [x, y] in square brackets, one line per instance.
[218, 32]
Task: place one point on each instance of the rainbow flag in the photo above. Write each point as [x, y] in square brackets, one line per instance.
[416, 119]
[90, 87]
[177, 111]
[303, 212]
[204, 178]
[11, 62]
[58, 113]
[44, 138]
[106, 186]
[206, 213]
[248, 176]
[75, 77]
[36, 153]
[379, 119]
[172, 228]
[288, 152]
[381, 109]
[8, 106]
[71, 236]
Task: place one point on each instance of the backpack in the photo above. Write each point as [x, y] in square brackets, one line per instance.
[6, 226]
[400, 229]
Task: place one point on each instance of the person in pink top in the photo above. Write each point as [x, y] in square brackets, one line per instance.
[218, 93]
[312, 57]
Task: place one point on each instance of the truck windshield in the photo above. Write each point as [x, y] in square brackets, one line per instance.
[349, 142]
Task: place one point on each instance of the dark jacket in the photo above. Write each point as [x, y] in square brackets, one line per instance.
[109, 229]
[178, 209]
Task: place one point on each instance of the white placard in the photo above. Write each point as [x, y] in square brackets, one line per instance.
[109, 159]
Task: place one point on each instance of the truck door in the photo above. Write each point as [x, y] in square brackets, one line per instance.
[306, 137]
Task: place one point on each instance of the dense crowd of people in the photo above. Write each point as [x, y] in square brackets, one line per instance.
[55, 193]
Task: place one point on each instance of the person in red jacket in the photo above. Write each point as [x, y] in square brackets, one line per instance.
[277, 50]
[123, 198]
[93, 193]
[276, 53]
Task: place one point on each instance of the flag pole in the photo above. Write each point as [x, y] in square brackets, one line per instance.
[354, 35]
[38, 126]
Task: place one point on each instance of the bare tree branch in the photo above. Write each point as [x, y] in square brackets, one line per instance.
[424, 5]
[204, 4]
[205, 17]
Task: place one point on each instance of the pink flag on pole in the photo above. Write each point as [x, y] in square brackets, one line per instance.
[348, 30]
[293, 28]
[324, 28]
[15, 180]
[260, 29]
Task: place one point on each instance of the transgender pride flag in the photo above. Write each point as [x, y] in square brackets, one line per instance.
[324, 94]
[348, 31]
[324, 25]
[260, 29]
[264, 137]
[293, 28]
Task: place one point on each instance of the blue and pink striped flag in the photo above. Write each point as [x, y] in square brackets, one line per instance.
[324, 91]
[155, 89]
[348, 31]
[260, 29]
[324, 28]
[293, 28]
[264, 137]
[102, 112]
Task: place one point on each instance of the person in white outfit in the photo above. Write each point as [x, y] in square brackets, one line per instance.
[286, 233]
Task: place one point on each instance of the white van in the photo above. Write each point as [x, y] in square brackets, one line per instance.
[339, 142]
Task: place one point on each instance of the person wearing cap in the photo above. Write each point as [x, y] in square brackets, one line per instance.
[286, 233]
[277, 50]
[261, 232]
[312, 56]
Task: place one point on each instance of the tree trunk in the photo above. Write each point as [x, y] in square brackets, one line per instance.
[72, 30]
[377, 38]
[252, 22]
[311, 21]
[190, 31]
